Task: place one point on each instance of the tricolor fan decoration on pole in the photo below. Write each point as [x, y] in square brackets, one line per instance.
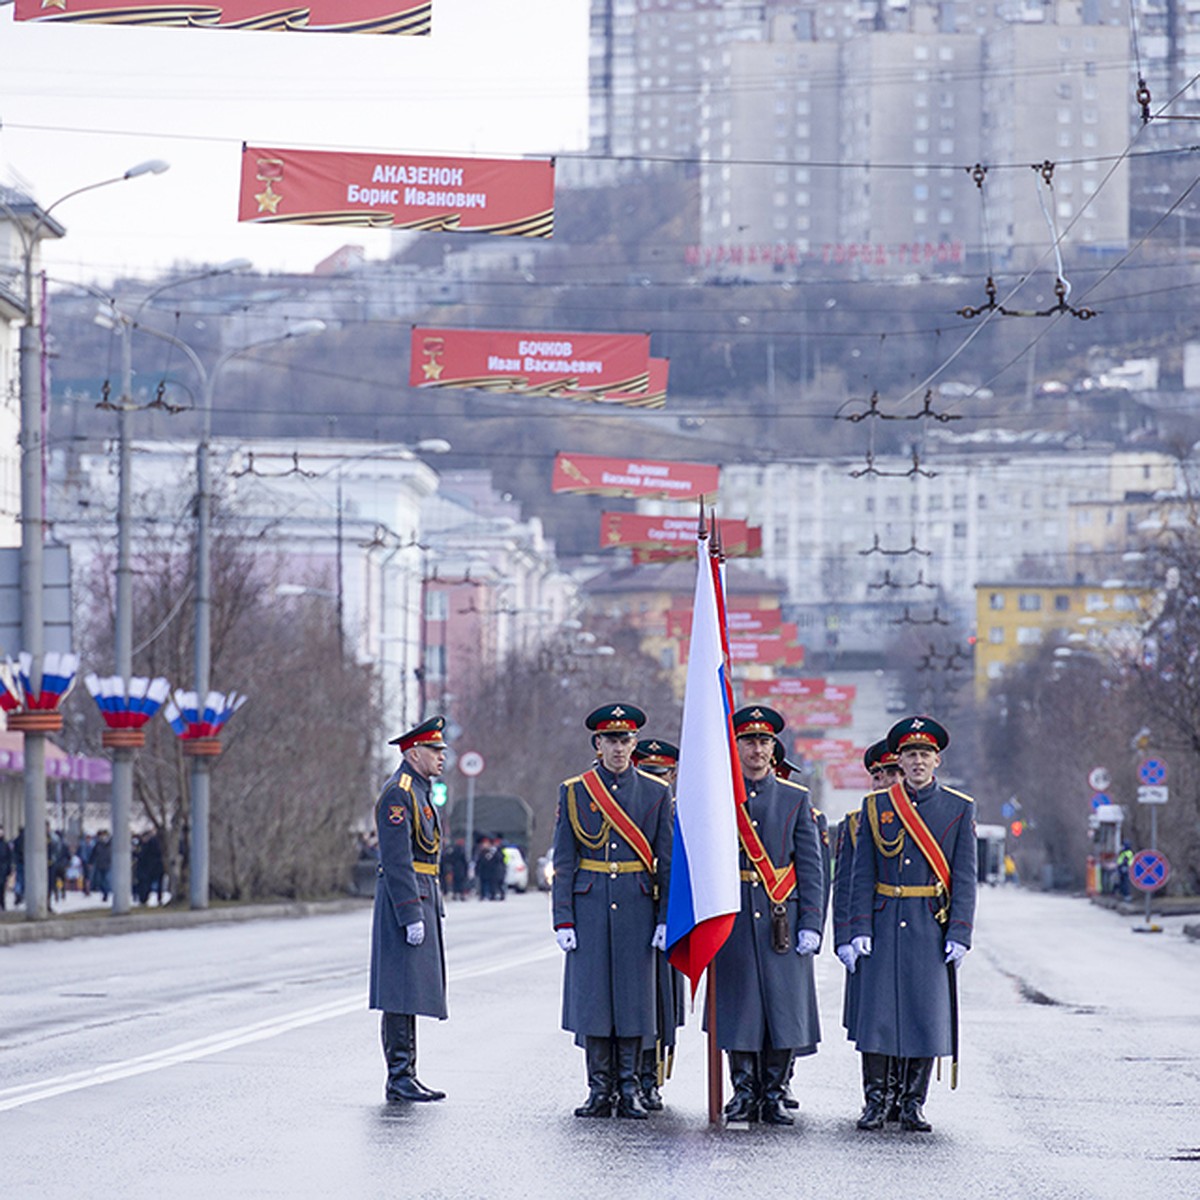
[126, 708]
[30, 713]
[199, 730]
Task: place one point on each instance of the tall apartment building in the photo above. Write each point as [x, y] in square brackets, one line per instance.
[763, 92]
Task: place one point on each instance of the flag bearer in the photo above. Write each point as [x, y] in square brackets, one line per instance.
[912, 907]
[659, 758]
[408, 961]
[766, 1001]
[612, 860]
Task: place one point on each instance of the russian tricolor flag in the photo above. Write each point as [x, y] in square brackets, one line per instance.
[705, 890]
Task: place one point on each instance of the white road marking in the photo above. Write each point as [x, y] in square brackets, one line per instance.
[29, 1093]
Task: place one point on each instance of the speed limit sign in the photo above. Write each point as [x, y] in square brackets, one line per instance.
[471, 763]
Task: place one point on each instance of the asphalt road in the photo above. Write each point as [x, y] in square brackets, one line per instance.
[240, 1061]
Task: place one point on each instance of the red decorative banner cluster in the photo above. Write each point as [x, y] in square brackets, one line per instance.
[840, 759]
[636, 529]
[746, 543]
[742, 622]
[316, 16]
[765, 649]
[805, 703]
[594, 475]
[447, 195]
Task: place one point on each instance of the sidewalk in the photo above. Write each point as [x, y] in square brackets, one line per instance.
[77, 915]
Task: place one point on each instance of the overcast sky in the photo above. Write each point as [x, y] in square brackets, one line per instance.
[84, 103]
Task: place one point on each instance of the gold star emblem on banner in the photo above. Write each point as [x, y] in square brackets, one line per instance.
[268, 199]
[432, 369]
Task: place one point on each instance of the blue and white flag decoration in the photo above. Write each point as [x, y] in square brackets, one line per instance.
[58, 678]
[190, 721]
[127, 706]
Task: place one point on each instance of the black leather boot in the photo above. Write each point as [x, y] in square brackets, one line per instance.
[399, 1032]
[775, 1067]
[790, 1101]
[651, 1096]
[895, 1078]
[875, 1091]
[629, 1060]
[916, 1087]
[598, 1053]
[743, 1073]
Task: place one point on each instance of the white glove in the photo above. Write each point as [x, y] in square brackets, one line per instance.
[848, 955]
[565, 939]
[415, 933]
[659, 940]
[861, 945]
[807, 941]
[956, 952]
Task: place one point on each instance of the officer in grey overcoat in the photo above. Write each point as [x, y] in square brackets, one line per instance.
[408, 960]
[612, 860]
[766, 1002]
[881, 1098]
[909, 926]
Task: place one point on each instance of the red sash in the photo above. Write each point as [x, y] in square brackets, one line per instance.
[779, 884]
[920, 833]
[618, 817]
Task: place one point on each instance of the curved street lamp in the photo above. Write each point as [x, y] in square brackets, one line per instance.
[33, 519]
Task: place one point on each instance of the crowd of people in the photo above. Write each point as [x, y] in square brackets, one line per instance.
[83, 866]
[482, 873]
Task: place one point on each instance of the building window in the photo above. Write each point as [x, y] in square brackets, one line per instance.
[996, 601]
[1028, 635]
[1062, 603]
[996, 635]
[960, 529]
[436, 606]
[1029, 602]
[995, 670]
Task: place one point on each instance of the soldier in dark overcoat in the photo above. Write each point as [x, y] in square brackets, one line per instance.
[408, 960]
[612, 860]
[880, 1103]
[912, 909]
[660, 758]
[766, 1002]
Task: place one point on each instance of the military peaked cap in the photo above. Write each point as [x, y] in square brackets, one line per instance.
[429, 733]
[615, 718]
[779, 761]
[653, 752]
[917, 731]
[878, 755]
[756, 718]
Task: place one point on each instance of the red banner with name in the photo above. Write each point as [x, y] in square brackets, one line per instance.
[390, 191]
[412, 17]
[593, 475]
[740, 621]
[543, 364]
[767, 649]
[636, 529]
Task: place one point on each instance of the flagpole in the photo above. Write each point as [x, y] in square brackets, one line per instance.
[715, 1081]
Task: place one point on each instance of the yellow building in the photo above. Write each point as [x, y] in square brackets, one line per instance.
[1013, 618]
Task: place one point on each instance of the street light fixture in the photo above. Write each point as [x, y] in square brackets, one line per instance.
[32, 522]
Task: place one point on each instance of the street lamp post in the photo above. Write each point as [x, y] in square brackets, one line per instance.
[32, 521]
[198, 857]
[122, 784]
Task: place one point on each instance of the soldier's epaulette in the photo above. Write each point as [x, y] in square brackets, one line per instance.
[573, 779]
[404, 782]
[652, 778]
[960, 795]
[788, 783]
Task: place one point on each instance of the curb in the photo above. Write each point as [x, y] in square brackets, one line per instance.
[57, 929]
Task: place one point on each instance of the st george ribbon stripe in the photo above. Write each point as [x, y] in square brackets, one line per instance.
[172, 1056]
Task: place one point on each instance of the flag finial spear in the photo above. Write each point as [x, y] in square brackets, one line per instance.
[701, 529]
[716, 542]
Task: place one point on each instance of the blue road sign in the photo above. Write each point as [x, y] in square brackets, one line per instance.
[1149, 870]
[1007, 811]
[1153, 771]
[1098, 800]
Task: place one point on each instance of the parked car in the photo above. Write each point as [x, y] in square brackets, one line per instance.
[516, 870]
[545, 870]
